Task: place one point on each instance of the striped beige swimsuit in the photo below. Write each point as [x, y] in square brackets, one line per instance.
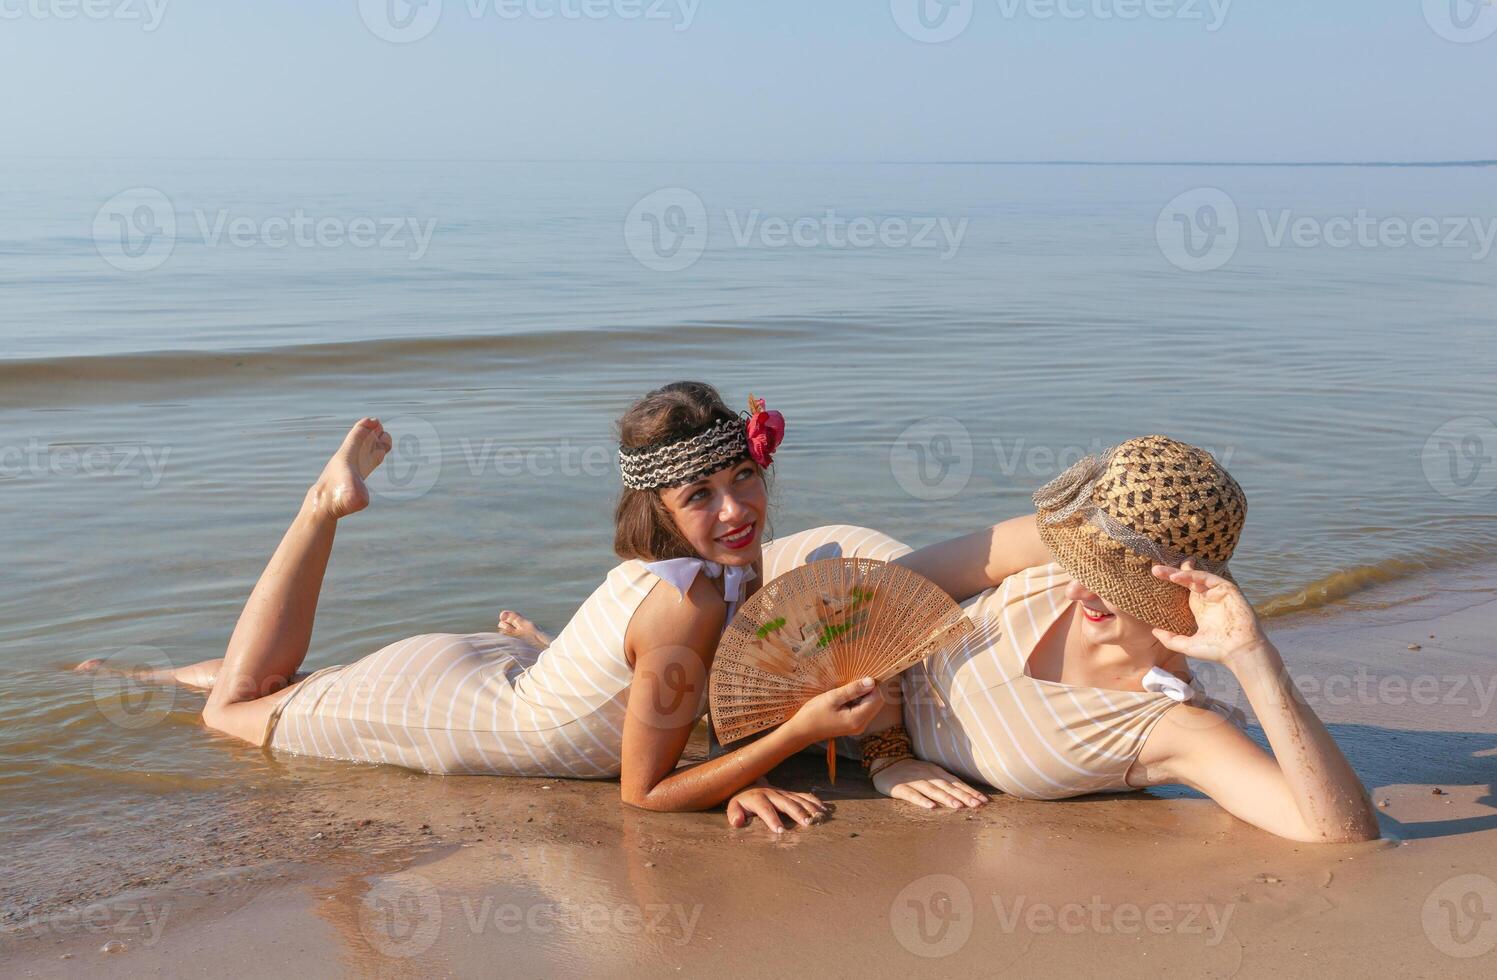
[487, 703]
[976, 712]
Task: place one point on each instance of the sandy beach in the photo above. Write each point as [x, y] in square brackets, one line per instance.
[384, 872]
[960, 247]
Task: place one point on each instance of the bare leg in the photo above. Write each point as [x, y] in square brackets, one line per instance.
[513, 624]
[274, 631]
[202, 675]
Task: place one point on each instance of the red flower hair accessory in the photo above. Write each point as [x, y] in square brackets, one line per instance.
[765, 431]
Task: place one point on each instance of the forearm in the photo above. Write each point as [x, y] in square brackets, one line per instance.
[973, 563]
[711, 783]
[1330, 797]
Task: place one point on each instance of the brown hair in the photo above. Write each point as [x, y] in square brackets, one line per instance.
[642, 525]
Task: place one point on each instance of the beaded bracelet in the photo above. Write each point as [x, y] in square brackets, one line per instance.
[886, 747]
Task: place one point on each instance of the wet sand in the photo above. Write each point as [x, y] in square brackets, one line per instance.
[340, 870]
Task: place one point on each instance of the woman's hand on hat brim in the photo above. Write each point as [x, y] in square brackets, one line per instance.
[1227, 628]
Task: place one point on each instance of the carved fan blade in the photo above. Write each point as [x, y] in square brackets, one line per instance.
[820, 626]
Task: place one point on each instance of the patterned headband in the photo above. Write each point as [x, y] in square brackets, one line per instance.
[685, 460]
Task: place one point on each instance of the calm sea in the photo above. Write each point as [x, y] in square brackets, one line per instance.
[185, 342]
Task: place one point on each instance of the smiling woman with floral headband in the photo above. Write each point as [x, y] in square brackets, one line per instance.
[615, 695]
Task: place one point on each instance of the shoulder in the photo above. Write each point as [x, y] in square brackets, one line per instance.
[667, 618]
[1185, 739]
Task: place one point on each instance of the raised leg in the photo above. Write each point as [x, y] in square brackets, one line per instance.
[275, 629]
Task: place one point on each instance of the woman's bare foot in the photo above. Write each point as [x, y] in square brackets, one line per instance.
[340, 490]
[513, 624]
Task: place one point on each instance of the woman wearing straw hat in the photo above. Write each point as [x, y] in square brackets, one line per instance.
[1081, 684]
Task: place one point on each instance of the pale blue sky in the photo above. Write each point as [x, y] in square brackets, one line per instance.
[814, 80]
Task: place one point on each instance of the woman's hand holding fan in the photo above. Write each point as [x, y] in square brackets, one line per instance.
[840, 712]
[815, 643]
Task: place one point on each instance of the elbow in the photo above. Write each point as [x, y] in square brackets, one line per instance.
[641, 799]
[1358, 828]
[1358, 835]
[633, 796]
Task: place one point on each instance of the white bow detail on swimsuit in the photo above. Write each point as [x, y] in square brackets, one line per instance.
[1158, 681]
[681, 572]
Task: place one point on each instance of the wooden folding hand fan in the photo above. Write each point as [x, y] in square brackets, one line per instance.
[820, 626]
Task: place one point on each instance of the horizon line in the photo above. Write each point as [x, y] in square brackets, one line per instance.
[936, 163]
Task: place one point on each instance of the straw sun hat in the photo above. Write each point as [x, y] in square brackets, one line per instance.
[1108, 519]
